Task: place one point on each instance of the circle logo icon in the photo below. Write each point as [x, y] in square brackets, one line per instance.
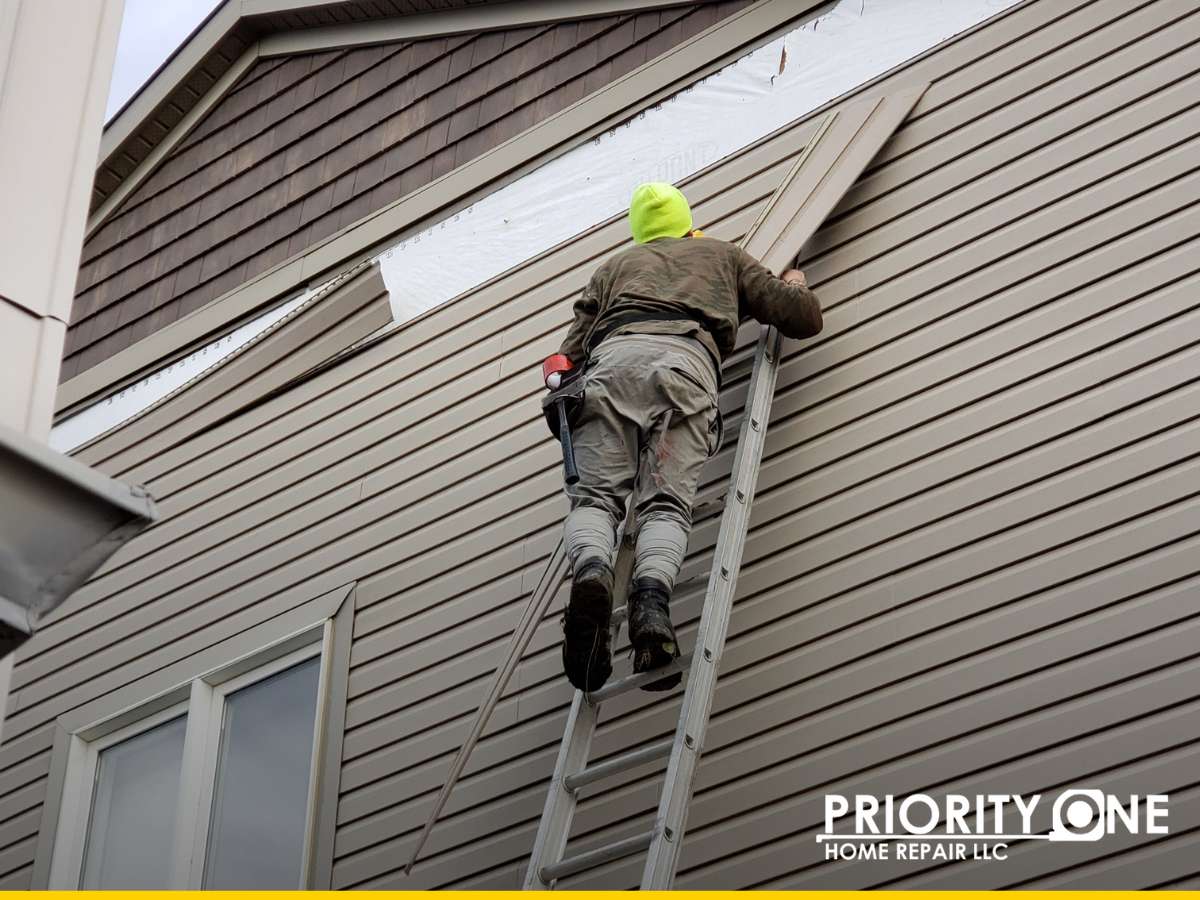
[1078, 815]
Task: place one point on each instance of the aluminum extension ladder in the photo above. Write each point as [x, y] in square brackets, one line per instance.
[837, 153]
[571, 771]
[839, 150]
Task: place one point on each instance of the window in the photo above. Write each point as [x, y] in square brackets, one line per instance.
[263, 766]
[130, 831]
[212, 783]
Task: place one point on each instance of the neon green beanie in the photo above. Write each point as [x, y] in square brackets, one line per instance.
[658, 210]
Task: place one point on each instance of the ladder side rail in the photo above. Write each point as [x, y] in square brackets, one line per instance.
[842, 146]
[662, 856]
[671, 819]
[554, 828]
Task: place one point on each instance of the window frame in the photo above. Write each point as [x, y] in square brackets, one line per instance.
[197, 687]
[86, 770]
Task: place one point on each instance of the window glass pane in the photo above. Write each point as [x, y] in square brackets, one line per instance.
[132, 829]
[260, 803]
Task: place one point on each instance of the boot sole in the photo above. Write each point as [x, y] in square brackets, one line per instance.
[653, 653]
[587, 660]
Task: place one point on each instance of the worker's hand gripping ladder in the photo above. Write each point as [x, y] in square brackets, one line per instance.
[840, 148]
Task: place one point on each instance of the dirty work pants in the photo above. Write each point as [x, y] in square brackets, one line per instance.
[649, 421]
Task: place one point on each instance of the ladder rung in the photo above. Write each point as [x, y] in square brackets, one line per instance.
[618, 764]
[574, 864]
[630, 682]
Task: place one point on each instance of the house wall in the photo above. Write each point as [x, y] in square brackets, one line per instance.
[971, 564]
[304, 145]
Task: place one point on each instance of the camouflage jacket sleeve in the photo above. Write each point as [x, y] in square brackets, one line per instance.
[586, 309]
[793, 309]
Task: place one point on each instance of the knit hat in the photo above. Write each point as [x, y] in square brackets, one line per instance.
[658, 210]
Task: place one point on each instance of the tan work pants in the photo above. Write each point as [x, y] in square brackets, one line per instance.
[649, 421]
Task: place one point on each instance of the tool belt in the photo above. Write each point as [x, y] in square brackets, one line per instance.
[570, 391]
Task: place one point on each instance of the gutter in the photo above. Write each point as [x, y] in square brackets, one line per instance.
[59, 522]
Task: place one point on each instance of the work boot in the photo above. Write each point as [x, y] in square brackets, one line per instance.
[651, 633]
[587, 656]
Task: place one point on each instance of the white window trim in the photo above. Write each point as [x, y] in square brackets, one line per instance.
[200, 776]
[81, 775]
[321, 627]
[204, 709]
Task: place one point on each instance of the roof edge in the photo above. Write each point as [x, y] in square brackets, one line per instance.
[418, 26]
[155, 91]
[705, 52]
[242, 24]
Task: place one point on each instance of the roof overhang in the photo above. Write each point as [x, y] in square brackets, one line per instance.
[238, 32]
[655, 80]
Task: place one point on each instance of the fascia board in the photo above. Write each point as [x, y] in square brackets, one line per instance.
[131, 116]
[568, 128]
[518, 13]
[181, 130]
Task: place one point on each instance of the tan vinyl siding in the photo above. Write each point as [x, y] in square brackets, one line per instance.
[304, 146]
[972, 558]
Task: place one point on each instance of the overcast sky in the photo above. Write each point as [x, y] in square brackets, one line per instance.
[150, 32]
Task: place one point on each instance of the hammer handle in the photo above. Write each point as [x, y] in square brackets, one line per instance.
[570, 472]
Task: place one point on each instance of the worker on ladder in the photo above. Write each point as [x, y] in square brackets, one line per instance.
[642, 360]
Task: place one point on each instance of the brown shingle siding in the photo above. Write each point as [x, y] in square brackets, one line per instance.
[259, 171]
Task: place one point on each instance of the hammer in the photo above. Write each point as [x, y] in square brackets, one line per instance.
[555, 370]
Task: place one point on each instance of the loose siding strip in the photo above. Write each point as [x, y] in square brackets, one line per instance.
[302, 148]
[971, 565]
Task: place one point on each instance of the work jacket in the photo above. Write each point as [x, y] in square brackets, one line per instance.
[695, 286]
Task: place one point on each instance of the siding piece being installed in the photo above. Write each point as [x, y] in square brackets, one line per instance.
[347, 310]
[971, 565]
[306, 145]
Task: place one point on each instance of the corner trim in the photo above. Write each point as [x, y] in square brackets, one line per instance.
[329, 763]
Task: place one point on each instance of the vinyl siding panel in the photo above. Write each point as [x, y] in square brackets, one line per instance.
[972, 558]
[305, 145]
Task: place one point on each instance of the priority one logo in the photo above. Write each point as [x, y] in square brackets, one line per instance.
[919, 827]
